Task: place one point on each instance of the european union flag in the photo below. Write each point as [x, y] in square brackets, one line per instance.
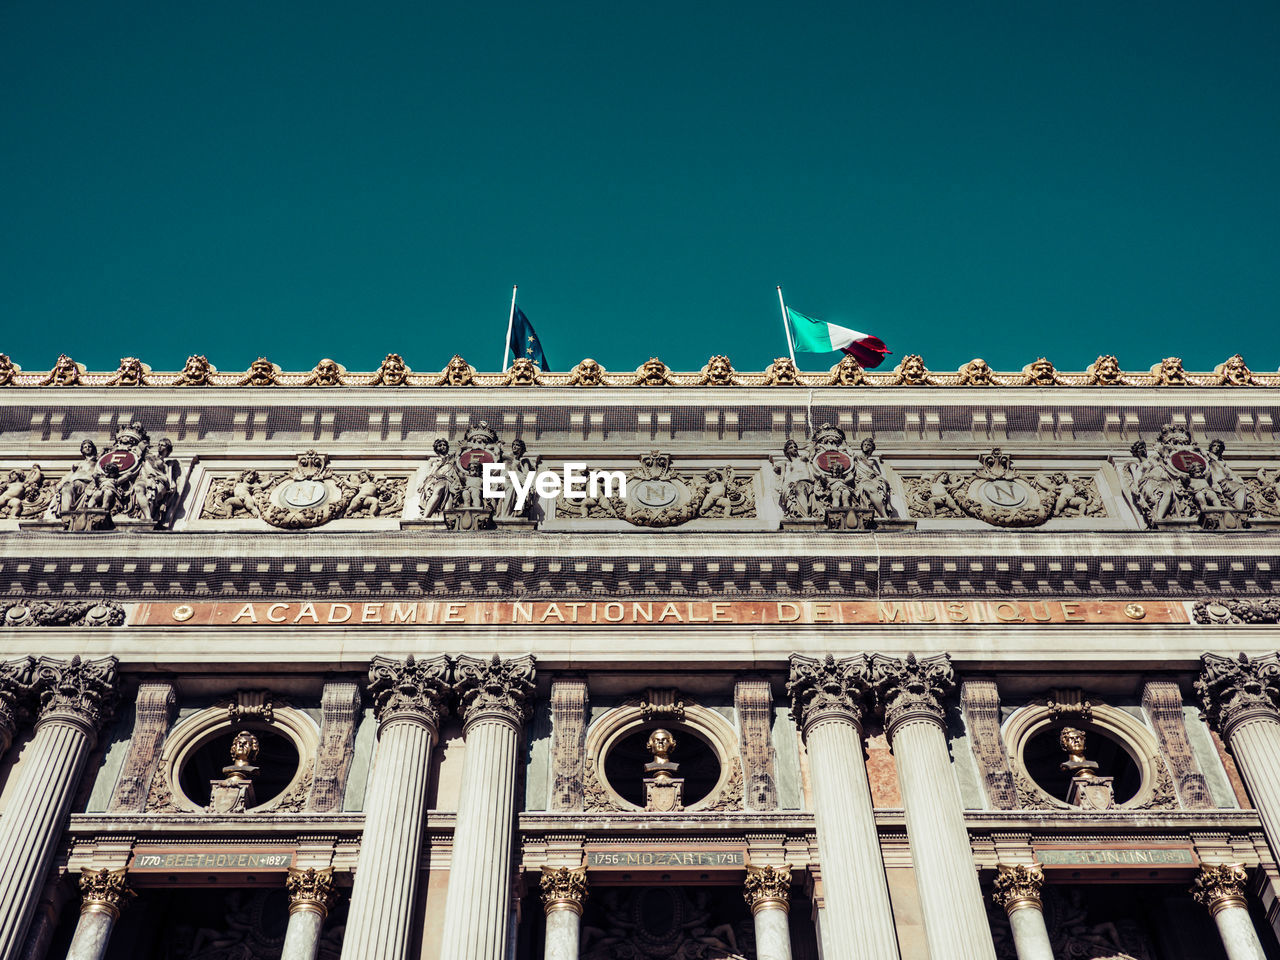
[525, 342]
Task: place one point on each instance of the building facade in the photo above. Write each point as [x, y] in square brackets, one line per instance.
[858, 666]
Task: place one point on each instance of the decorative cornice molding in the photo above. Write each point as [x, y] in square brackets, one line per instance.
[563, 888]
[310, 890]
[1252, 610]
[908, 687]
[1232, 689]
[104, 891]
[409, 689]
[828, 687]
[78, 691]
[1018, 885]
[494, 687]
[767, 888]
[1219, 887]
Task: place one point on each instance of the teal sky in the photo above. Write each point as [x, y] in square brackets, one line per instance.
[318, 179]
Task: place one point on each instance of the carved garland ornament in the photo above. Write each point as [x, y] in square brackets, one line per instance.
[62, 613]
[660, 496]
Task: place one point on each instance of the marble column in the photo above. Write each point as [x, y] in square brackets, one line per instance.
[563, 893]
[104, 894]
[75, 698]
[828, 698]
[1220, 888]
[45, 922]
[311, 894]
[1241, 699]
[912, 694]
[1017, 889]
[767, 891]
[494, 698]
[409, 699]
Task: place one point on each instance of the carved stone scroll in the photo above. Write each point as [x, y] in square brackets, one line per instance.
[1163, 702]
[153, 712]
[980, 701]
[568, 743]
[339, 712]
[753, 700]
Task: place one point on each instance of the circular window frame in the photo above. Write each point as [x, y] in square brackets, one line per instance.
[1130, 733]
[194, 732]
[621, 722]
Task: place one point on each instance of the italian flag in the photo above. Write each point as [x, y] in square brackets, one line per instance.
[818, 336]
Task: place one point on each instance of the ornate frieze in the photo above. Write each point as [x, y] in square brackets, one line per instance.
[1231, 690]
[129, 481]
[659, 495]
[261, 373]
[587, 373]
[767, 887]
[104, 891]
[61, 613]
[25, 493]
[652, 373]
[339, 714]
[457, 373]
[1163, 702]
[327, 373]
[908, 686]
[75, 690]
[980, 703]
[829, 686]
[310, 890]
[562, 888]
[309, 495]
[392, 373]
[999, 494]
[568, 742]
[753, 701]
[1177, 482]
[153, 712]
[912, 372]
[1017, 885]
[824, 479]
[1260, 610]
[522, 373]
[494, 686]
[1219, 887]
[782, 373]
[409, 688]
[719, 372]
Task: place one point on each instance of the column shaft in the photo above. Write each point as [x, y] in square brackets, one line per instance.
[562, 935]
[386, 883]
[773, 933]
[1239, 938]
[475, 918]
[1030, 935]
[93, 932]
[857, 923]
[33, 820]
[955, 919]
[1255, 741]
[302, 936]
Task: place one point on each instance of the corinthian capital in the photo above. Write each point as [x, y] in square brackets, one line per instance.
[1232, 689]
[104, 891]
[910, 687]
[409, 688]
[496, 686]
[767, 887]
[1018, 886]
[1220, 887]
[79, 691]
[563, 888]
[15, 684]
[311, 890]
[828, 686]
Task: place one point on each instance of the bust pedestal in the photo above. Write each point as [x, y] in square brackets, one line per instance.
[664, 794]
[1089, 792]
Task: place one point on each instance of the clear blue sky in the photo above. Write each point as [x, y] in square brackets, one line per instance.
[320, 179]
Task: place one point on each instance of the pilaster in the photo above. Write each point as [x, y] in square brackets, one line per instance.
[569, 706]
[339, 714]
[753, 701]
[980, 703]
[153, 712]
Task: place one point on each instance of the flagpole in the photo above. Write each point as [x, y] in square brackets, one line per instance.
[511, 319]
[786, 327]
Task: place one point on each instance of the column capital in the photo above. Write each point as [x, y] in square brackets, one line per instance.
[907, 687]
[310, 890]
[1219, 887]
[409, 689]
[563, 888]
[1233, 689]
[826, 687]
[1018, 885]
[767, 888]
[104, 891]
[82, 692]
[15, 685]
[494, 687]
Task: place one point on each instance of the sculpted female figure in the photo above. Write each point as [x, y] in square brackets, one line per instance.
[443, 484]
[71, 488]
[798, 481]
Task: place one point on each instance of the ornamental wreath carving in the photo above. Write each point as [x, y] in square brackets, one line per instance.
[825, 479]
[309, 495]
[1179, 483]
[129, 481]
[453, 489]
[660, 496]
[997, 493]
